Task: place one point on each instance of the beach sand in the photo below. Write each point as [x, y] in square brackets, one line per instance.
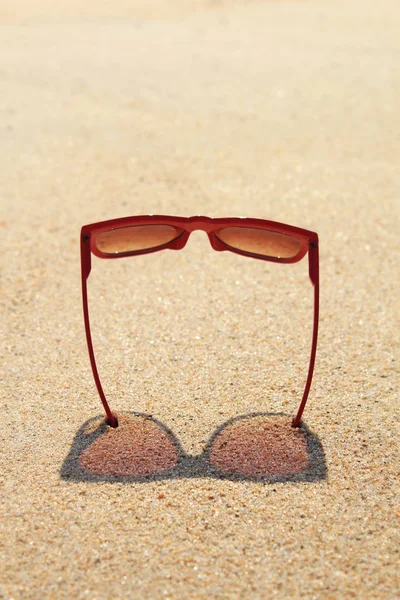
[283, 110]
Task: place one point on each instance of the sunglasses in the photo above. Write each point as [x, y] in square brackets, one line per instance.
[255, 238]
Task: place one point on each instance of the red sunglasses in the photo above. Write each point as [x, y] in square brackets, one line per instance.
[256, 238]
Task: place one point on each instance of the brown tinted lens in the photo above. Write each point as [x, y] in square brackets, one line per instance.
[135, 238]
[260, 241]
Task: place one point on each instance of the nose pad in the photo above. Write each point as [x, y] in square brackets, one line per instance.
[199, 240]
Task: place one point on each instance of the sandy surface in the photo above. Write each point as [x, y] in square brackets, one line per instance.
[280, 110]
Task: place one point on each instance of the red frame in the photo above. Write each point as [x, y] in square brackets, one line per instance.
[308, 243]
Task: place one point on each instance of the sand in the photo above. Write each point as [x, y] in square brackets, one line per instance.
[284, 110]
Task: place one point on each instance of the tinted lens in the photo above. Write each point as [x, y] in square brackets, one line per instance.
[260, 241]
[135, 238]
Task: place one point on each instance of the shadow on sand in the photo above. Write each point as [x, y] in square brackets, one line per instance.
[253, 447]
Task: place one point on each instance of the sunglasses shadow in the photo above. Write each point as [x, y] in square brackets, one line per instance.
[253, 447]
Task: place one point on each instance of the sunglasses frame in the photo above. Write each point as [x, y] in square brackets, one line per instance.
[308, 243]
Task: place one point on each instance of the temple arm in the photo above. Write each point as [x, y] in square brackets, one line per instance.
[314, 276]
[85, 269]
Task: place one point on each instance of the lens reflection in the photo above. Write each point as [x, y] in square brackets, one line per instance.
[137, 447]
[135, 238]
[260, 242]
[260, 447]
